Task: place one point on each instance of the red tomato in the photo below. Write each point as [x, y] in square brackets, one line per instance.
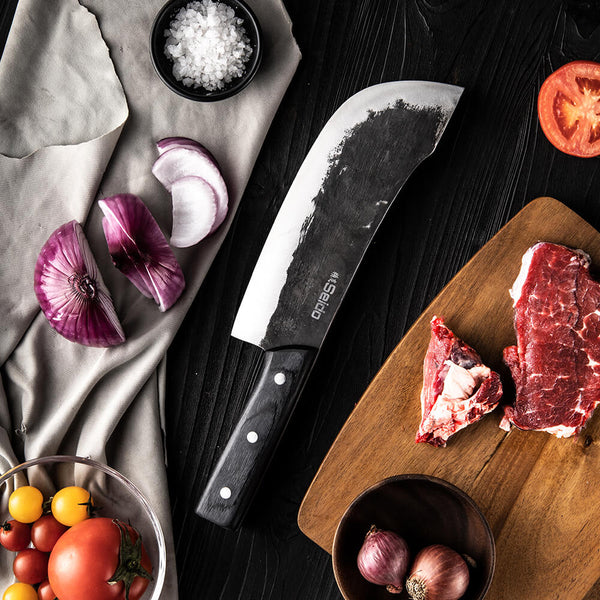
[45, 532]
[86, 556]
[31, 566]
[45, 592]
[569, 108]
[14, 535]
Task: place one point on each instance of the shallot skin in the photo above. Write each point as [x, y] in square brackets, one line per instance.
[383, 559]
[438, 573]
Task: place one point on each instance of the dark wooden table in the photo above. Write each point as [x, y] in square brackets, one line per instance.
[492, 160]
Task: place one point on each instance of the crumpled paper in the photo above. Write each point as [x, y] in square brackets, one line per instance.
[80, 111]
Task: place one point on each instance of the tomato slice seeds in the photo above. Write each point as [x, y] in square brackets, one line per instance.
[569, 108]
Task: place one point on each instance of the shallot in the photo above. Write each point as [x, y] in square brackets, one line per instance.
[383, 559]
[139, 249]
[71, 292]
[438, 573]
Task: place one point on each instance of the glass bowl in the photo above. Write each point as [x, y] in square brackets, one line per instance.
[424, 510]
[163, 65]
[114, 495]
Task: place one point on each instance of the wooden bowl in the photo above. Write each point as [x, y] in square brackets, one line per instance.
[423, 510]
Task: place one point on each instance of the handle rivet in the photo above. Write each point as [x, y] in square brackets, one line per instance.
[279, 378]
[225, 493]
[252, 437]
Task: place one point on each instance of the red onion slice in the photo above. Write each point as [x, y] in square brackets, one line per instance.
[139, 249]
[183, 160]
[183, 142]
[71, 292]
[194, 211]
[176, 142]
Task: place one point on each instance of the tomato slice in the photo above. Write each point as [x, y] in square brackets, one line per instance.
[569, 108]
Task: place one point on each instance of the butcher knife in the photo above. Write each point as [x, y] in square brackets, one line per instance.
[342, 191]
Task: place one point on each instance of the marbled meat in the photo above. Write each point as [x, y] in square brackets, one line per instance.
[556, 362]
[458, 389]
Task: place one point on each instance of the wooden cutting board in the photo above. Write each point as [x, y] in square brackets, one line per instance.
[540, 494]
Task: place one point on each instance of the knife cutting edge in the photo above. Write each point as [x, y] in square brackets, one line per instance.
[341, 193]
[7, 13]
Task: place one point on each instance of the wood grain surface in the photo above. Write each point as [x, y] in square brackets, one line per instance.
[539, 493]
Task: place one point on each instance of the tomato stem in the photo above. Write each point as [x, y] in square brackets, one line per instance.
[130, 559]
[91, 508]
[47, 506]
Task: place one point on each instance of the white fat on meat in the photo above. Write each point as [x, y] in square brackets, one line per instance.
[560, 431]
[453, 404]
[517, 288]
[460, 382]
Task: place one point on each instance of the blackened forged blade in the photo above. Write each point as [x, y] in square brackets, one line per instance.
[341, 193]
[356, 167]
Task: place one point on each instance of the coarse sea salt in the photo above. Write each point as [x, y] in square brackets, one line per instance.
[208, 45]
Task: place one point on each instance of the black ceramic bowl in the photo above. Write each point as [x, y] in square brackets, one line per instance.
[164, 65]
[423, 510]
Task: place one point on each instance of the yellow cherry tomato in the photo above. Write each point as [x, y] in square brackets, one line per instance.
[25, 504]
[71, 505]
[20, 591]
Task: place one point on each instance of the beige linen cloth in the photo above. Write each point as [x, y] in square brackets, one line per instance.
[80, 111]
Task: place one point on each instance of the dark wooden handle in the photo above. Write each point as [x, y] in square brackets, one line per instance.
[240, 468]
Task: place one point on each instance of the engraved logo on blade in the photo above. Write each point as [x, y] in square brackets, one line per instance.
[324, 297]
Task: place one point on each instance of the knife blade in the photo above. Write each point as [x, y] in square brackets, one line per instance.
[341, 193]
[7, 13]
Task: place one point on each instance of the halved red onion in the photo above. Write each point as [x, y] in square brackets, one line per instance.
[71, 292]
[139, 249]
[194, 211]
[183, 159]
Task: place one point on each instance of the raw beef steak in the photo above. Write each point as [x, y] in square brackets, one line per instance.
[556, 362]
[457, 388]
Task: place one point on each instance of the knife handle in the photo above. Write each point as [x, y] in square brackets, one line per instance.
[240, 468]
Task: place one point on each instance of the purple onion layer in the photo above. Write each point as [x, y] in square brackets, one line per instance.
[139, 249]
[71, 292]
